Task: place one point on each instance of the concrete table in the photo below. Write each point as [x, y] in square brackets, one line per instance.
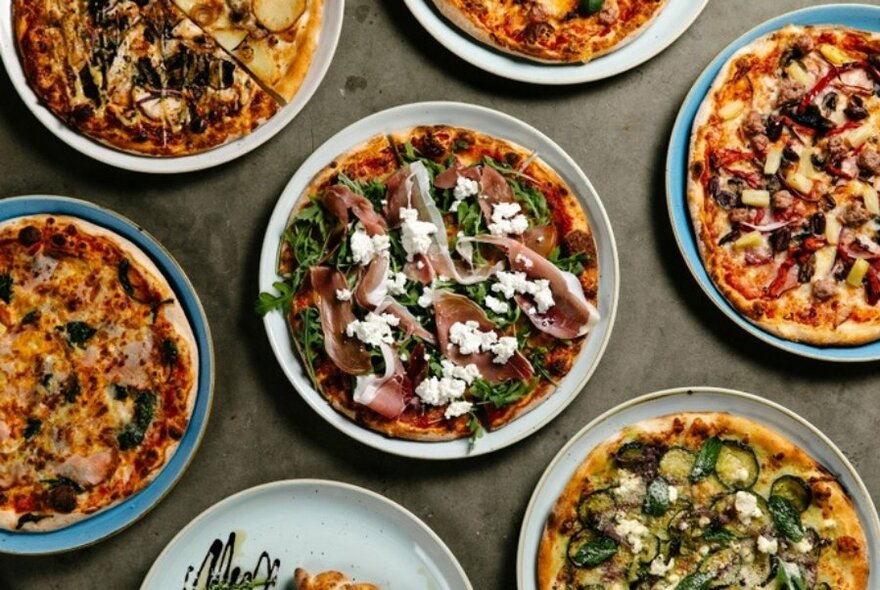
[668, 333]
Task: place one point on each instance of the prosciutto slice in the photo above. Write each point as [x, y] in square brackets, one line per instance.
[571, 315]
[346, 353]
[493, 190]
[449, 177]
[372, 293]
[339, 200]
[386, 394]
[450, 308]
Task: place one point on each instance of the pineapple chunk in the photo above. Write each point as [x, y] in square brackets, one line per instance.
[857, 273]
[869, 196]
[229, 39]
[278, 15]
[835, 55]
[832, 229]
[797, 73]
[756, 198]
[773, 161]
[753, 239]
[805, 167]
[825, 261]
[800, 183]
[732, 110]
[858, 136]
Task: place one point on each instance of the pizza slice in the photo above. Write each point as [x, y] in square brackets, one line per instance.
[274, 39]
[330, 580]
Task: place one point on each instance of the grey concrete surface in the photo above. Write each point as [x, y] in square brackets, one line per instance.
[667, 334]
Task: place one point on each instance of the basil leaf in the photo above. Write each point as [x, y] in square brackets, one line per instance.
[787, 519]
[594, 552]
[705, 463]
[33, 428]
[695, 581]
[657, 498]
[787, 580]
[134, 432]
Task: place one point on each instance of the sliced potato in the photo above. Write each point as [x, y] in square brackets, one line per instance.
[278, 15]
[229, 39]
[259, 62]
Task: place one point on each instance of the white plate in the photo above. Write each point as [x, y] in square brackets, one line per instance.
[673, 20]
[318, 525]
[673, 401]
[495, 124]
[327, 41]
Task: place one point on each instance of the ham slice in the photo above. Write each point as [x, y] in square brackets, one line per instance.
[571, 315]
[386, 395]
[450, 308]
[339, 200]
[346, 353]
[88, 471]
[372, 293]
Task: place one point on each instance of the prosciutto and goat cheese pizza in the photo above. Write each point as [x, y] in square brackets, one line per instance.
[555, 31]
[437, 280]
[143, 77]
[98, 371]
[783, 179]
[702, 500]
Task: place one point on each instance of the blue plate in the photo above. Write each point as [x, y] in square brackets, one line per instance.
[857, 16]
[108, 522]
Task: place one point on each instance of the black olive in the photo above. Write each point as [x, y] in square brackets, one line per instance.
[780, 239]
[82, 112]
[714, 185]
[88, 84]
[62, 498]
[817, 160]
[197, 124]
[729, 237]
[811, 117]
[817, 223]
[227, 74]
[30, 235]
[726, 199]
[830, 101]
[828, 202]
[773, 184]
[789, 154]
[774, 128]
[856, 110]
[147, 74]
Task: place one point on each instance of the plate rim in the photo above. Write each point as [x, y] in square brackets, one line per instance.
[269, 253]
[851, 354]
[207, 359]
[813, 431]
[308, 483]
[466, 44]
[211, 158]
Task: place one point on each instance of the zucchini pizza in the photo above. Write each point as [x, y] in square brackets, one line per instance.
[98, 371]
[165, 77]
[435, 281]
[782, 186]
[702, 500]
[553, 31]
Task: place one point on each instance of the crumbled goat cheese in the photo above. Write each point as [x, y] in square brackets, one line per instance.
[396, 283]
[658, 568]
[449, 388]
[415, 235]
[704, 521]
[526, 262]
[464, 188]
[512, 283]
[803, 546]
[507, 219]
[631, 486]
[769, 546]
[673, 494]
[468, 373]
[496, 305]
[631, 530]
[365, 247]
[374, 330]
[470, 339]
[456, 409]
[426, 299]
[746, 505]
[343, 294]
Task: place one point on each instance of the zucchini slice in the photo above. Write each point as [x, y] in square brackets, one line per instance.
[588, 549]
[725, 508]
[677, 464]
[723, 566]
[630, 453]
[793, 489]
[650, 549]
[737, 466]
[758, 572]
[657, 498]
[597, 509]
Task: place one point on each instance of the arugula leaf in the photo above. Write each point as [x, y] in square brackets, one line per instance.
[6, 287]
[411, 154]
[476, 428]
[309, 341]
[502, 394]
[266, 302]
[528, 196]
[573, 264]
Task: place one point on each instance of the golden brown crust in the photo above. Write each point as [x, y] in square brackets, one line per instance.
[137, 350]
[106, 75]
[552, 31]
[832, 512]
[753, 78]
[329, 580]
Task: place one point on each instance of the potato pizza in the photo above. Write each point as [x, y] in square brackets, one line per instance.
[702, 500]
[436, 281]
[98, 371]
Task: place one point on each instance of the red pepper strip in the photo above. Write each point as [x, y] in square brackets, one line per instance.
[837, 171]
[797, 126]
[726, 157]
[844, 128]
[824, 82]
[776, 287]
[872, 287]
[758, 216]
[813, 243]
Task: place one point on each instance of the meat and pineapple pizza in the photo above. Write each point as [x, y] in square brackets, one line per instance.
[702, 500]
[783, 178]
[437, 280]
[98, 371]
[143, 77]
[555, 31]
[330, 580]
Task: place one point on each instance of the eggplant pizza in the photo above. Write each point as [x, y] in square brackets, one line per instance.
[437, 280]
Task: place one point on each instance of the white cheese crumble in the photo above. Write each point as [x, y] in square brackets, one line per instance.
[415, 235]
[769, 546]
[673, 494]
[658, 568]
[704, 521]
[526, 262]
[630, 486]
[464, 188]
[631, 530]
[507, 219]
[365, 247]
[746, 505]
[496, 305]
[512, 283]
[704, 550]
[426, 299]
[396, 283]
[741, 474]
[470, 339]
[829, 523]
[803, 546]
[458, 408]
[374, 330]
[449, 388]
[343, 294]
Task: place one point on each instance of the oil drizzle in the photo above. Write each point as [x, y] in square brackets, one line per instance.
[216, 571]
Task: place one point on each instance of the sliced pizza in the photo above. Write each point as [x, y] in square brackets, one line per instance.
[330, 580]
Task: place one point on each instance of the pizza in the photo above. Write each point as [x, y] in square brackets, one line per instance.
[274, 39]
[98, 371]
[782, 185]
[697, 501]
[143, 77]
[436, 281]
[331, 580]
[555, 31]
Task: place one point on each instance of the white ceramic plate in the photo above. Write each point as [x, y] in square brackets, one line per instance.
[327, 41]
[495, 124]
[314, 524]
[673, 20]
[673, 401]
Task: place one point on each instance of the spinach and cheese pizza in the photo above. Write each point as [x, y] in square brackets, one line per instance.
[783, 180]
[98, 371]
[702, 500]
[163, 77]
[436, 280]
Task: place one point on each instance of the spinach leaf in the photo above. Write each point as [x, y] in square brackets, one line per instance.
[788, 577]
[695, 581]
[705, 463]
[30, 317]
[657, 498]
[787, 519]
[6, 287]
[78, 333]
[594, 552]
[33, 428]
[134, 432]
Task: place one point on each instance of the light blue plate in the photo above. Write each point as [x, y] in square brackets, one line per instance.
[104, 524]
[858, 16]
